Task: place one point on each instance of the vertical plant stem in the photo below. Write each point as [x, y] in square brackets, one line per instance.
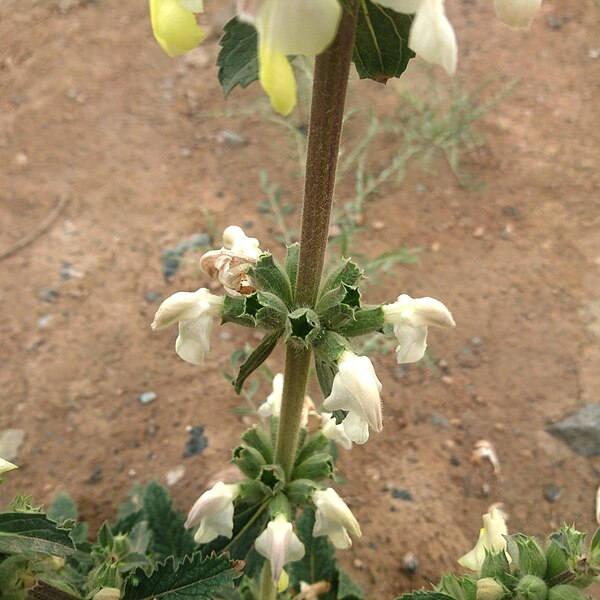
[332, 69]
[268, 590]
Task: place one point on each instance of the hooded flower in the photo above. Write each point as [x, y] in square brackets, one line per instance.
[335, 432]
[491, 539]
[356, 389]
[288, 27]
[214, 511]
[334, 519]
[517, 14]
[271, 407]
[194, 311]
[410, 318]
[279, 544]
[431, 35]
[231, 263]
[174, 24]
[6, 466]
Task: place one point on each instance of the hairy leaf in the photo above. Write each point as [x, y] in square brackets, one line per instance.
[256, 358]
[366, 320]
[44, 591]
[238, 59]
[381, 44]
[270, 277]
[347, 589]
[346, 272]
[33, 532]
[169, 537]
[196, 577]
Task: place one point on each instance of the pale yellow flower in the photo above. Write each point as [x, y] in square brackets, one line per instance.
[174, 25]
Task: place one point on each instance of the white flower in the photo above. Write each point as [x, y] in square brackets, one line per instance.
[288, 27]
[195, 312]
[356, 389]
[334, 519]
[214, 511]
[517, 14]
[6, 466]
[431, 35]
[279, 544]
[107, 593]
[231, 263]
[335, 432]
[411, 317]
[271, 407]
[491, 538]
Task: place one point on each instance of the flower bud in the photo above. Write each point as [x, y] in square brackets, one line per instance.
[489, 589]
[6, 466]
[334, 519]
[531, 588]
[107, 593]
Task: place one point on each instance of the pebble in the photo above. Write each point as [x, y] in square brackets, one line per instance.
[454, 461]
[553, 22]
[48, 294]
[11, 441]
[175, 475]
[132, 472]
[479, 232]
[147, 397]
[95, 476]
[152, 296]
[400, 494]
[439, 420]
[476, 340]
[152, 429]
[469, 361]
[231, 138]
[420, 188]
[410, 563]
[44, 321]
[196, 443]
[580, 431]
[378, 225]
[67, 271]
[447, 380]
[552, 492]
[185, 152]
[21, 159]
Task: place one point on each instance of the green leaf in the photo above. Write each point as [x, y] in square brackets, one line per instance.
[367, 320]
[196, 577]
[346, 272]
[291, 264]
[381, 44]
[237, 60]
[302, 327]
[318, 563]
[347, 589]
[269, 276]
[63, 510]
[235, 311]
[459, 588]
[325, 375]
[424, 595]
[169, 537]
[256, 358]
[44, 591]
[33, 532]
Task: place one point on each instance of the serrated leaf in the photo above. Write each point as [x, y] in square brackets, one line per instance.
[238, 58]
[318, 563]
[257, 358]
[234, 311]
[169, 537]
[366, 320]
[347, 589]
[381, 44]
[270, 277]
[196, 577]
[33, 532]
[346, 272]
[44, 591]
[63, 511]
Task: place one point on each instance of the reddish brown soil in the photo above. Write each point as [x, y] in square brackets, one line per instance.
[91, 110]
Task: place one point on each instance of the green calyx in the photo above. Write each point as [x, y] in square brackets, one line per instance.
[531, 587]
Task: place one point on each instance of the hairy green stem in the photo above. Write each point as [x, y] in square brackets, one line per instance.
[268, 591]
[332, 69]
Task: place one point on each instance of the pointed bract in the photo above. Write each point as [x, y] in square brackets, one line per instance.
[279, 544]
[214, 512]
[6, 466]
[356, 389]
[334, 519]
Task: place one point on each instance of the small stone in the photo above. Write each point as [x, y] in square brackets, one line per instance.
[152, 296]
[378, 225]
[200, 240]
[447, 380]
[147, 397]
[552, 492]
[196, 443]
[95, 476]
[580, 431]
[11, 441]
[358, 564]
[21, 159]
[400, 371]
[152, 429]
[479, 232]
[420, 188]
[67, 271]
[334, 230]
[132, 472]
[485, 489]
[454, 461]
[400, 494]
[476, 340]
[439, 420]
[594, 52]
[48, 295]
[44, 321]
[175, 475]
[436, 247]
[507, 231]
[553, 22]
[410, 563]
[469, 361]
[231, 139]
[185, 152]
